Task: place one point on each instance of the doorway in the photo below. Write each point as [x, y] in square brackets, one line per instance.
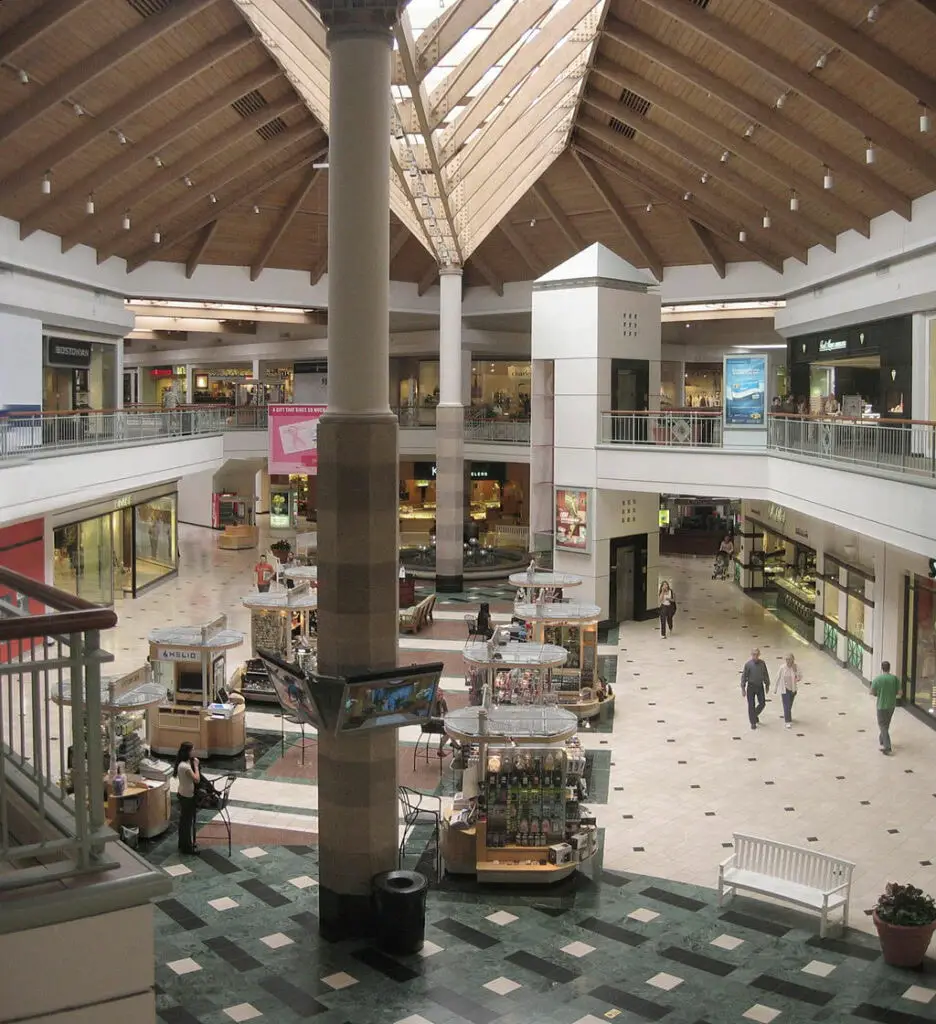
[630, 385]
[627, 589]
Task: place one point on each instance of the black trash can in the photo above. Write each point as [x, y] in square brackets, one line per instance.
[400, 911]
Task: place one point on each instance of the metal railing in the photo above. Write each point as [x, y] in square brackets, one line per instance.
[52, 821]
[509, 431]
[689, 428]
[38, 433]
[898, 447]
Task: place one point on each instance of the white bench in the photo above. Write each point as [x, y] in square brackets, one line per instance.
[796, 875]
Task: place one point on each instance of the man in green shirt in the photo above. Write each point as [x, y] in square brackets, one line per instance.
[886, 687]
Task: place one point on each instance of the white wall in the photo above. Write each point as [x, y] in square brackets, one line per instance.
[21, 360]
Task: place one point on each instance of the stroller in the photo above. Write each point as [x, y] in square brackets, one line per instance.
[720, 566]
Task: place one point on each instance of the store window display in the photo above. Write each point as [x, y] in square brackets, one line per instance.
[500, 389]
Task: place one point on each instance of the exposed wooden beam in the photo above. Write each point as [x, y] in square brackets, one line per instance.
[746, 191]
[768, 61]
[86, 71]
[485, 270]
[664, 191]
[91, 128]
[813, 147]
[862, 47]
[147, 147]
[709, 246]
[928, 5]
[247, 191]
[398, 239]
[436, 41]
[198, 249]
[559, 216]
[35, 25]
[428, 279]
[736, 145]
[625, 221]
[285, 218]
[519, 243]
[318, 268]
[199, 196]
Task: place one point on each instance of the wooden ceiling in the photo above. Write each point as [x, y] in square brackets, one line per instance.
[699, 123]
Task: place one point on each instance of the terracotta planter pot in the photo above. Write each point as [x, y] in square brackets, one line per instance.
[903, 945]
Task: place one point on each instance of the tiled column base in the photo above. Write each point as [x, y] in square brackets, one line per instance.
[357, 625]
[450, 497]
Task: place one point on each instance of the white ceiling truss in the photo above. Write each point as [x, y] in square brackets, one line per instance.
[483, 99]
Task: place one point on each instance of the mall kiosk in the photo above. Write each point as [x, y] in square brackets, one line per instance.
[235, 515]
[574, 627]
[518, 819]
[281, 622]
[142, 801]
[517, 673]
[190, 665]
[539, 585]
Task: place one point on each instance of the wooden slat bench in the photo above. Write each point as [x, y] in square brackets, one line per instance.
[806, 878]
[413, 619]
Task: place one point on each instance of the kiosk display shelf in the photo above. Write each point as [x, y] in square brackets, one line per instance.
[519, 673]
[280, 622]
[302, 573]
[540, 585]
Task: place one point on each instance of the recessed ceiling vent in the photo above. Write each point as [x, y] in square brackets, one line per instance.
[701, 3]
[250, 103]
[621, 128]
[634, 102]
[272, 128]
[147, 8]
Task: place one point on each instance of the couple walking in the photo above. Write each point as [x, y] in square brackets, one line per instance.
[755, 685]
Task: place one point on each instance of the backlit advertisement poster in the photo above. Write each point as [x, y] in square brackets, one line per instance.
[745, 391]
[572, 528]
[293, 431]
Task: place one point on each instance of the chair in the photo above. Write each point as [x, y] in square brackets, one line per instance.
[415, 814]
[432, 727]
[473, 634]
[219, 802]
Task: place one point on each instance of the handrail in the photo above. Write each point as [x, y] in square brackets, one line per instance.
[662, 412]
[73, 614]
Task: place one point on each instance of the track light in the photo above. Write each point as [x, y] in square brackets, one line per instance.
[766, 222]
[749, 131]
[687, 196]
[725, 157]
[89, 205]
[23, 77]
[794, 202]
[742, 235]
[158, 160]
[121, 138]
[256, 208]
[157, 237]
[704, 178]
[924, 118]
[822, 60]
[187, 181]
[870, 152]
[78, 109]
[874, 13]
[828, 181]
[212, 197]
[126, 220]
[47, 183]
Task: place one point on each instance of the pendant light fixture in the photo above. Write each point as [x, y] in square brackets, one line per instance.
[23, 77]
[47, 183]
[870, 152]
[766, 222]
[157, 237]
[89, 205]
[687, 196]
[704, 178]
[924, 118]
[742, 235]
[649, 207]
[126, 220]
[212, 198]
[158, 160]
[256, 208]
[828, 182]
[794, 202]
[121, 138]
[725, 156]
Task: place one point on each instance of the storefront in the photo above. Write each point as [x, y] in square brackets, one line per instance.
[164, 379]
[214, 386]
[919, 641]
[78, 375]
[696, 526]
[500, 389]
[864, 370]
[119, 548]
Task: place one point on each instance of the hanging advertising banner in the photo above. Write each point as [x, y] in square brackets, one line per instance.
[571, 520]
[293, 431]
[745, 391]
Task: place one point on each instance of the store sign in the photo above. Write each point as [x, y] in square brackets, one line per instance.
[571, 520]
[519, 371]
[229, 374]
[832, 344]
[293, 438]
[161, 371]
[745, 391]
[777, 513]
[664, 517]
[424, 470]
[73, 354]
[177, 654]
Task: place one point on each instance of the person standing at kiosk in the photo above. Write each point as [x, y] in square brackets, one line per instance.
[186, 771]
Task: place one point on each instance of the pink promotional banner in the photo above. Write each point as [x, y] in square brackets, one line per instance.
[294, 438]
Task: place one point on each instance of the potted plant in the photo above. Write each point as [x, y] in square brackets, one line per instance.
[282, 550]
[905, 918]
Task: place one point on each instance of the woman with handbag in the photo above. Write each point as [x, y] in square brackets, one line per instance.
[186, 771]
[667, 607]
[788, 678]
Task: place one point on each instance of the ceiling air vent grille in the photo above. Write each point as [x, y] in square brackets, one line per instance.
[147, 8]
[636, 103]
[621, 128]
[272, 128]
[249, 104]
[701, 3]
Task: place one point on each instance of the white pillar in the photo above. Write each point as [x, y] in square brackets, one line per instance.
[450, 330]
[450, 437]
[189, 384]
[119, 374]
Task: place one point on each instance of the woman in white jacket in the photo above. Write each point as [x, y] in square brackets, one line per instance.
[787, 680]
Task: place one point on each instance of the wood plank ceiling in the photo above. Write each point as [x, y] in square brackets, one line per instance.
[708, 131]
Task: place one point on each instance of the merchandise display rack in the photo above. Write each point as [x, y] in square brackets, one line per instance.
[518, 673]
[526, 773]
[540, 586]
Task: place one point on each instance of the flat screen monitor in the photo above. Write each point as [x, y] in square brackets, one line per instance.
[189, 680]
[293, 689]
[400, 696]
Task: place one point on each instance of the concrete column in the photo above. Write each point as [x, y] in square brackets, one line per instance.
[189, 384]
[450, 438]
[357, 471]
[119, 374]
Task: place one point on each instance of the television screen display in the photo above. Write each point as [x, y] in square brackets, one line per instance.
[189, 680]
[401, 696]
[293, 690]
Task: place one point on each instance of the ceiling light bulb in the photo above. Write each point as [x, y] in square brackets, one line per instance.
[781, 99]
[704, 178]
[212, 197]
[47, 183]
[742, 235]
[794, 202]
[23, 77]
[187, 181]
[924, 118]
[874, 13]
[256, 208]
[766, 220]
[749, 131]
[126, 220]
[157, 237]
[89, 205]
[725, 156]
[158, 160]
[78, 109]
[687, 196]
[828, 181]
[121, 138]
[532, 222]
[870, 152]
[649, 207]
[821, 60]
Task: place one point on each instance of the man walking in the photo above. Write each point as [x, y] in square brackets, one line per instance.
[755, 685]
[886, 687]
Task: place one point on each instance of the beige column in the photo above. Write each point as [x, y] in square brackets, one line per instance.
[357, 473]
[450, 438]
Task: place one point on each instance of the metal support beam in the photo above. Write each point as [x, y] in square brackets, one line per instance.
[318, 269]
[447, 30]
[768, 61]
[428, 279]
[519, 243]
[35, 25]
[285, 218]
[86, 71]
[625, 221]
[484, 269]
[198, 249]
[562, 221]
[705, 239]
